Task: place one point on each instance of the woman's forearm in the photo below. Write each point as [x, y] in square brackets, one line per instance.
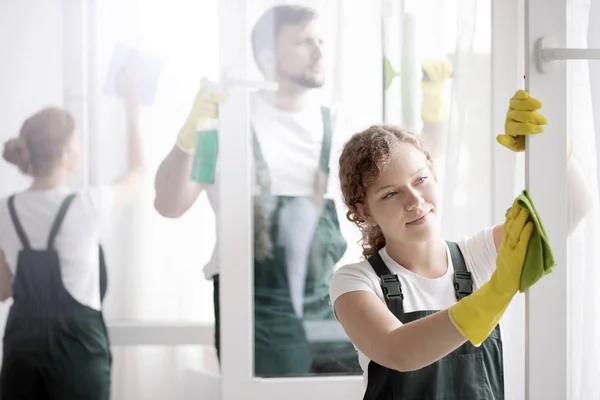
[425, 341]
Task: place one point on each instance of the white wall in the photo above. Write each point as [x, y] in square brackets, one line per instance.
[30, 71]
[30, 75]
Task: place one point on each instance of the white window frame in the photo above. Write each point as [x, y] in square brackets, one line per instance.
[508, 61]
[547, 303]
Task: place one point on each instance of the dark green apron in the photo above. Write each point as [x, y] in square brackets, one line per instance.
[54, 347]
[468, 373]
[280, 343]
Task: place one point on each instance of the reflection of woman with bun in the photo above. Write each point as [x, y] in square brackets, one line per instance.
[56, 345]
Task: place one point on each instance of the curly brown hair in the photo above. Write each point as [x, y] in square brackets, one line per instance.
[42, 141]
[363, 158]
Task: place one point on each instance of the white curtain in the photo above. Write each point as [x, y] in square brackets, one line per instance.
[584, 244]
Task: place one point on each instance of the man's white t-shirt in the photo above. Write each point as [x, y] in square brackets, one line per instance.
[420, 293]
[77, 242]
[290, 143]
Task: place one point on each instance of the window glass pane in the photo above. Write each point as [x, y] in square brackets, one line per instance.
[155, 263]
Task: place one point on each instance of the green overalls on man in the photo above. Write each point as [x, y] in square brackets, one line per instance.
[281, 344]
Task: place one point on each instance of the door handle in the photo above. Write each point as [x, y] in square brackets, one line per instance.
[547, 53]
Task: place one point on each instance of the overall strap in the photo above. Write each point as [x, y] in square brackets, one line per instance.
[463, 282]
[256, 146]
[390, 284]
[59, 219]
[17, 224]
[262, 175]
[327, 135]
[103, 274]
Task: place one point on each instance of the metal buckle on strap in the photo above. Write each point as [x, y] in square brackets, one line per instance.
[391, 287]
[463, 284]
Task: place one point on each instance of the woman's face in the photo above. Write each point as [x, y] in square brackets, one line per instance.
[403, 200]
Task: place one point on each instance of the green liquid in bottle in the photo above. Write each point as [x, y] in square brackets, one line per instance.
[205, 156]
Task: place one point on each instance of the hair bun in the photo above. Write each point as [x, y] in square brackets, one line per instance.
[16, 152]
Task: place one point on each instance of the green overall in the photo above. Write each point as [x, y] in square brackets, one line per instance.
[54, 347]
[281, 347]
[468, 373]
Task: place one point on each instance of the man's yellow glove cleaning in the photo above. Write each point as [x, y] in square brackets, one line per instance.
[204, 108]
[476, 315]
[435, 73]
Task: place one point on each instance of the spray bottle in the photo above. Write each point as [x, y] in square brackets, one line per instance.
[206, 152]
[204, 165]
[207, 137]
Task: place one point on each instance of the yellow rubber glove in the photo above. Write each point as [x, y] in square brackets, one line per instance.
[435, 73]
[522, 119]
[204, 108]
[476, 315]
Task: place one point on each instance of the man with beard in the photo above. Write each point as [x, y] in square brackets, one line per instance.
[297, 238]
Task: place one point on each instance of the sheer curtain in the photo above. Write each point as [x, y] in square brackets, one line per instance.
[584, 245]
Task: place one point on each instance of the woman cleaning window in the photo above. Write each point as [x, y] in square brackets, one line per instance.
[56, 344]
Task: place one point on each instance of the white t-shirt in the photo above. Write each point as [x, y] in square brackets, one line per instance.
[420, 293]
[77, 242]
[290, 143]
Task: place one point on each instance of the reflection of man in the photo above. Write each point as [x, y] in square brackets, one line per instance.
[297, 235]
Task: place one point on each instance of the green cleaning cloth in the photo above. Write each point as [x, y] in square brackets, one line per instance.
[539, 259]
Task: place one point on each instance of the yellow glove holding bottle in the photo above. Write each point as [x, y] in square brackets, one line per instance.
[476, 315]
[205, 108]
